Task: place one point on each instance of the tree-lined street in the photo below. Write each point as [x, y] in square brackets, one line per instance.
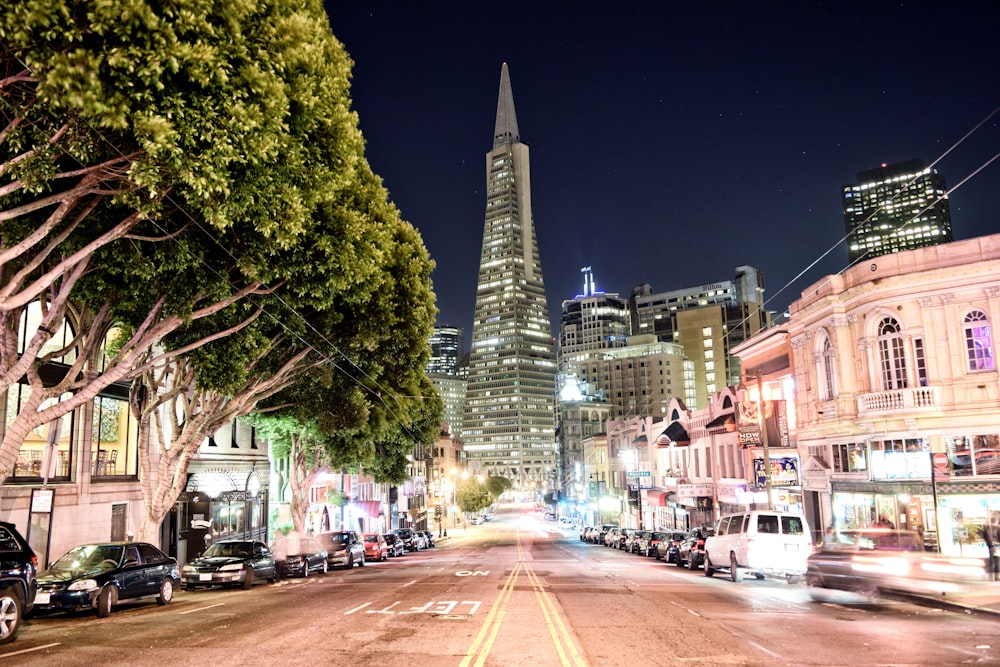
[517, 590]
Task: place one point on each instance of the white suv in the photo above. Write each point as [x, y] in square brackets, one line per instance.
[759, 542]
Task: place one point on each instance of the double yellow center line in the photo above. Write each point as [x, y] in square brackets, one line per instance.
[562, 639]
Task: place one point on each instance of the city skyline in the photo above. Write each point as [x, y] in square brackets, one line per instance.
[671, 145]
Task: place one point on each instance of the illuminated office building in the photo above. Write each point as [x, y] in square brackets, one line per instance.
[509, 421]
[896, 207]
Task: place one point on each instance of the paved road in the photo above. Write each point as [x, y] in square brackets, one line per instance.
[518, 590]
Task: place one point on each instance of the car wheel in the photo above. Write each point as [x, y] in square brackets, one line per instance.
[734, 569]
[305, 568]
[248, 579]
[326, 566]
[678, 561]
[361, 563]
[350, 562]
[709, 570]
[11, 611]
[166, 592]
[792, 579]
[104, 602]
[385, 556]
[692, 563]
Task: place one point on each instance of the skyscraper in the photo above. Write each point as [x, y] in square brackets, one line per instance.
[509, 422]
[447, 350]
[896, 207]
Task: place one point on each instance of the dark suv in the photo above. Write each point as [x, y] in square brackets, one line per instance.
[18, 566]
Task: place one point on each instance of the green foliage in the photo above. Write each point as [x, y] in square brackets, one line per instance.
[497, 485]
[472, 495]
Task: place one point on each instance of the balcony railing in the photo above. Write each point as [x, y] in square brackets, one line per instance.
[915, 399]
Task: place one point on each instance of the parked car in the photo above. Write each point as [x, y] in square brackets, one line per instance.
[428, 537]
[667, 548]
[599, 537]
[691, 551]
[648, 544]
[759, 542]
[633, 540]
[99, 576]
[585, 532]
[375, 547]
[311, 557]
[870, 561]
[623, 536]
[419, 540]
[611, 536]
[344, 548]
[406, 535]
[231, 563]
[394, 545]
[18, 569]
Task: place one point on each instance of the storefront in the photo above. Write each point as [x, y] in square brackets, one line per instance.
[953, 524]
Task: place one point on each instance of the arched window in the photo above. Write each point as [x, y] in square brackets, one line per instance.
[825, 367]
[891, 355]
[979, 342]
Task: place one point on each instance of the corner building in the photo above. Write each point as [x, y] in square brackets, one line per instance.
[509, 420]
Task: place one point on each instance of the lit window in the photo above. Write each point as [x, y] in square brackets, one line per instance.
[979, 341]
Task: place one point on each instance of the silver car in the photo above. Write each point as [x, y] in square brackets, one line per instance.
[344, 548]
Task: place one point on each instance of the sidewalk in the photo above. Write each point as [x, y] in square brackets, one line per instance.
[983, 599]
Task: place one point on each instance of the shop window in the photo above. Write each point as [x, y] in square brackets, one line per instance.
[900, 459]
[973, 455]
[47, 451]
[979, 342]
[850, 457]
[115, 438]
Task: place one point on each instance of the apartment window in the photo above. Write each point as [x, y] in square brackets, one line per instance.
[920, 361]
[891, 357]
[850, 457]
[826, 369]
[979, 342]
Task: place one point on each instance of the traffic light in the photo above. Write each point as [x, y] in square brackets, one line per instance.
[633, 496]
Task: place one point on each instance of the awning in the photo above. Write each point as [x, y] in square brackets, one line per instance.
[657, 498]
[728, 421]
[676, 434]
[372, 508]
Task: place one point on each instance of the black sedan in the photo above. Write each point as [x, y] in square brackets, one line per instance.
[99, 576]
[395, 544]
[18, 567]
[310, 557]
[666, 549]
[231, 563]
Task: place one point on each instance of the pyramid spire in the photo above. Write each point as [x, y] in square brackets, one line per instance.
[506, 128]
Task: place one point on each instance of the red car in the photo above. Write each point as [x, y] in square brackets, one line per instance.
[376, 547]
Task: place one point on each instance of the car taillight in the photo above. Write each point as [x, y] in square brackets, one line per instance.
[34, 560]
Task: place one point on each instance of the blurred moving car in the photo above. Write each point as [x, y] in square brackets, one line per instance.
[691, 550]
[18, 567]
[394, 545]
[344, 548]
[375, 547]
[231, 563]
[99, 576]
[311, 557]
[869, 561]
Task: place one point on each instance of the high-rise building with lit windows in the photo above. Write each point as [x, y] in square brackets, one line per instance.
[896, 207]
[447, 350]
[509, 422]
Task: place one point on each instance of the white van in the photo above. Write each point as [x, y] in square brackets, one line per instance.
[759, 542]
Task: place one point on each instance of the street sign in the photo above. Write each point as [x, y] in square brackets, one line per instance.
[638, 473]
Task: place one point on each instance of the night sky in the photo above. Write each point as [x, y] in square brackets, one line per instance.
[672, 142]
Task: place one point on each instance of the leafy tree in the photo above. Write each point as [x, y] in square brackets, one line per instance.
[190, 177]
[472, 495]
[497, 485]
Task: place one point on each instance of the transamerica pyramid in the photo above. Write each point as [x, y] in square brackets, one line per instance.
[509, 421]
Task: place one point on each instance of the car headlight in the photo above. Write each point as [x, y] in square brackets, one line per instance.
[189, 569]
[231, 567]
[83, 585]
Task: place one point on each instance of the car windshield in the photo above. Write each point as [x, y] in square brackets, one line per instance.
[371, 538]
[335, 538]
[90, 556]
[228, 550]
